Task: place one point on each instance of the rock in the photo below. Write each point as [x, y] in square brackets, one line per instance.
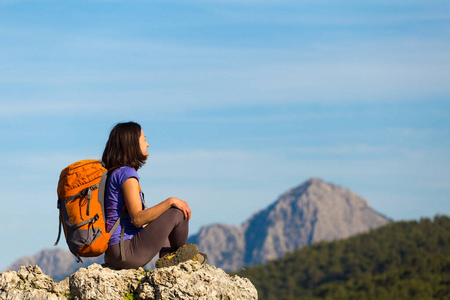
[97, 282]
[29, 283]
[188, 280]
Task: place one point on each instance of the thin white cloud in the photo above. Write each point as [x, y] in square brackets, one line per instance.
[289, 83]
[195, 75]
[206, 76]
[328, 18]
[15, 107]
[345, 149]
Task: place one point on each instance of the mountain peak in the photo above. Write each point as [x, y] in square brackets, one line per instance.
[311, 212]
[311, 182]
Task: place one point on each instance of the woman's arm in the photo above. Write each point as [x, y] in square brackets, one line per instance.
[140, 217]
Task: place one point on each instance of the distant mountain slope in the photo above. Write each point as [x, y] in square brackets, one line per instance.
[57, 263]
[223, 243]
[403, 260]
[312, 212]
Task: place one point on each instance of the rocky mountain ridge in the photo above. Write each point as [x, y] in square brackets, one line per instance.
[312, 212]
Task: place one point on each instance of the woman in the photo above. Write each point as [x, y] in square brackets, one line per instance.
[161, 228]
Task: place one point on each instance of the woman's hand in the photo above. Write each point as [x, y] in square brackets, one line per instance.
[181, 205]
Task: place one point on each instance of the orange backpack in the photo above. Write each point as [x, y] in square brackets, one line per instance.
[81, 189]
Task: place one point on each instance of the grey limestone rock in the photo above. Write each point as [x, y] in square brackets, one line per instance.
[192, 281]
[188, 280]
[29, 282]
[97, 282]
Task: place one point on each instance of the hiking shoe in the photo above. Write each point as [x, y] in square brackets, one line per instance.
[200, 257]
[184, 253]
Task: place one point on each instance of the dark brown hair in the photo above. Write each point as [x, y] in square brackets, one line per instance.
[122, 147]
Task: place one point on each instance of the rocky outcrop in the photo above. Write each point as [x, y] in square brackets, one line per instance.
[312, 212]
[30, 283]
[188, 280]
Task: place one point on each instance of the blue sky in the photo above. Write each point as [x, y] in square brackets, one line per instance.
[240, 101]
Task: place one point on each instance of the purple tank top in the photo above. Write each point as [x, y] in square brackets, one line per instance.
[114, 202]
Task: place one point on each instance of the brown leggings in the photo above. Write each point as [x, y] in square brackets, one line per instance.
[169, 229]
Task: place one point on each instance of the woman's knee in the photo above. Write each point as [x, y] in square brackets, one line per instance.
[177, 214]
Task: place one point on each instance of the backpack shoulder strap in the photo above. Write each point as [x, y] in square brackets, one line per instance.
[60, 224]
[102, 190]
[101, 199]
[116, 224]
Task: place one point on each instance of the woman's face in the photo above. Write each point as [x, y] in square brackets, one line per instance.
[143, 143]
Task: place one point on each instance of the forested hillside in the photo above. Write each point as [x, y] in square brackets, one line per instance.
[403, 260]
